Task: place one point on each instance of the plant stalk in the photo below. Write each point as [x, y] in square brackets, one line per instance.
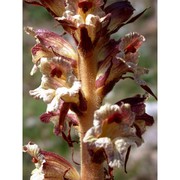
[88, 71]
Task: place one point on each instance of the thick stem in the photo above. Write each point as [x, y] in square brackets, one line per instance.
[88, 71]
[89, 169]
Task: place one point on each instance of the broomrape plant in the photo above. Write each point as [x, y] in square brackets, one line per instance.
[75, 80]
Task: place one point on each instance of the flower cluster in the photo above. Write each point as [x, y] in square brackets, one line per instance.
[90, 23]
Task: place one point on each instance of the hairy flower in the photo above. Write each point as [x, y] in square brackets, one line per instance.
[118, 127]
[60, 88]
[49, 165]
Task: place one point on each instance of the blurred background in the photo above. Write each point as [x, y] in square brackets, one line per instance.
[142, 163]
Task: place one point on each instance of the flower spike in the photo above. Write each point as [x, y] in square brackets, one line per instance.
[78, 71]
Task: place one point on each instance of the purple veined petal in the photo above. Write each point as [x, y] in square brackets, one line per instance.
[53, 42]
[57, 43]
[130, 58]
[64, 108]
[137, 103]
[127, 61]
[55, 7]
[100, 34]
[120, 12]
[49, 64]
[49, 165]
[133, 100]
[103, 73]
[71, 18]
[106, 48]
[131, 20]
[62, 166]
[58, 117]
[127, 116]
[131, 42]
[39, 51]
[142, 119]
[118, 68]
[46, 117]
[68, 24]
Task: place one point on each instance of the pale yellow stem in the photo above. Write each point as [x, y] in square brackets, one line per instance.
[88, 71]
